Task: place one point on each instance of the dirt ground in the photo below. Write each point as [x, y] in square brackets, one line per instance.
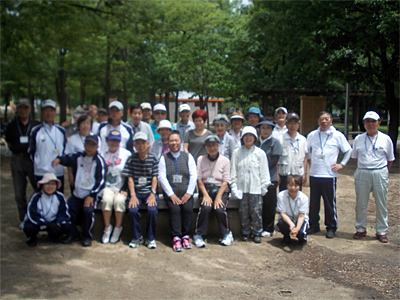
[341, 268]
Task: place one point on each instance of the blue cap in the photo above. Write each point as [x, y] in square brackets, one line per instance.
[92, 138]
[114, 135]
[254, 110]
[266, 122]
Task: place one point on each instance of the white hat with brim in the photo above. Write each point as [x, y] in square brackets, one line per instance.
[145, 105]
[184, 107]
[237, 117]
[116, 104]
[284, 109]
[140, 136]
[47, 178]
[249, 129]
[164, 124]
[49, 103]
[372, 115]
[159, 106]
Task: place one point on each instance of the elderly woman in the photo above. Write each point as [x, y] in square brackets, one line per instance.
[195, 138]
[249, 181]
[273, 149]
[160, 146]
[115, 157]
[76, 142]
[213, 172]
[177, 175]
[228, 144]
[237, 121]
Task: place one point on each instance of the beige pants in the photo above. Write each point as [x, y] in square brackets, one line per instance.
[111, 199]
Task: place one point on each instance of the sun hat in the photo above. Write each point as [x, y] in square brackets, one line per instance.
[47, 177]
[212, 138]
[164, 124]
[221, 119]
[249, 129]
[266, 122]
[254, 110]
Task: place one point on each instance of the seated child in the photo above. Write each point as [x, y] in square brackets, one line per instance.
[89, 169]
[293, 207]
[47, 210]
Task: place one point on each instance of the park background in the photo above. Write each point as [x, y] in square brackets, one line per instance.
[263, 53]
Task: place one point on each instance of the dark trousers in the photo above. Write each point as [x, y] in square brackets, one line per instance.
[21, 168]
[283, 184]
[31, 230]
[285, 230]
[269, 206]
[81, 215]
[325, 187]
[61, 178]
[152, 213]
[180, 217]
[220, 213]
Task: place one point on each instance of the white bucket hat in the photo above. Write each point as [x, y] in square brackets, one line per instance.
[164, 124]
[249, 129]
[47, 178]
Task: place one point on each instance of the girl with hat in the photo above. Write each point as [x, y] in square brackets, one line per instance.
[249, 182]
[47, 210]
[115, 157]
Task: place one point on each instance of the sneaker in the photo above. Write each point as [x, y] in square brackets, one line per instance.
[228, 239]
[116, 235]
[198, 241]
[303, 242]
[136, 243]
[257, 239]
[267, 234]
[86, 242]
[106, 234]
[152, 244]
[359, 235]
[286, 242]
[21, 225]
[382, 238]
[313, 230]
[245, 237]
[31, 241]
[176, 244]
[330, 234]
[186, 243]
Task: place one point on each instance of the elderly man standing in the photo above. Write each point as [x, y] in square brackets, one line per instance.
[147, 112]
[184, 125]
[280, 118]
[323, 145]
[47, 141]
[374, 153]
[115, 112]
[138, 125]
[17, 137]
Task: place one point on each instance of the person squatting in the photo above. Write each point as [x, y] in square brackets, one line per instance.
[126, 166]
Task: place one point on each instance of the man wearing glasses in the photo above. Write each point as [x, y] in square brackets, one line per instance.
[159, 114]
[323, 146]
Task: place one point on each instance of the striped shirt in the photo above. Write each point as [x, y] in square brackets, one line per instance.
[142, 171]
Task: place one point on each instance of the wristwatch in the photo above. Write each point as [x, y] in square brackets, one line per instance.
[154, 192]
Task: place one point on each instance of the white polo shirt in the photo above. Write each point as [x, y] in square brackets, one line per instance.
[324, 147]
[373, 152]
[292, 207]
[278, 132]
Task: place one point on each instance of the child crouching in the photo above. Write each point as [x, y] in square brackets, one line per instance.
[293, 207]
[47, 210]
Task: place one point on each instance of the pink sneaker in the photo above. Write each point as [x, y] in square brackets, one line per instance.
[185, 242]
[176, 244]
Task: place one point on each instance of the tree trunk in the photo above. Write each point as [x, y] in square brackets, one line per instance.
[107, 82]
[167, 104]
[83, 92]
[31, 98]
[176, 106]
[61, 94]
[201, 101]
[152, 97]
[393, 106]
[355, 103]
[208, 113]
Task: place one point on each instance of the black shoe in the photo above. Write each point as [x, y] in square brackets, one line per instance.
[257, 239]
[245, 237]
[86, 242]
[286, 242]
[70, 239]
[313, 230]
[330, 234]
[303, 243]
[31, 241]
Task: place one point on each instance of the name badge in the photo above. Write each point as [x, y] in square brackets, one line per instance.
[114, 173]
[210, 179]
[177, 178]
[57, 151]
[142, 180]
[322, 156]
[23, 139]
[85, 183]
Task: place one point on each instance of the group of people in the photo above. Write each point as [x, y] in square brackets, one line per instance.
[122, 166]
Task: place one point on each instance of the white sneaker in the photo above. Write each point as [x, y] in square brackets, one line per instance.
[228, 239]
[136, 243]
[152, 244]
[116, 234]
[198, 241]
[106, 234]
[267, 234]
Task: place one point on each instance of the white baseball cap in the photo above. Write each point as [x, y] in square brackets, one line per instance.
[140, 136]
[145, 105]
[284, 109]
[159, 106]
[164, 124]
[184, 107]
[372, 115]
[49, 103]
[116, 104]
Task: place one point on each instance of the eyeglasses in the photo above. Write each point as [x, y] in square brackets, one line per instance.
[324, 119]
[160, 113]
